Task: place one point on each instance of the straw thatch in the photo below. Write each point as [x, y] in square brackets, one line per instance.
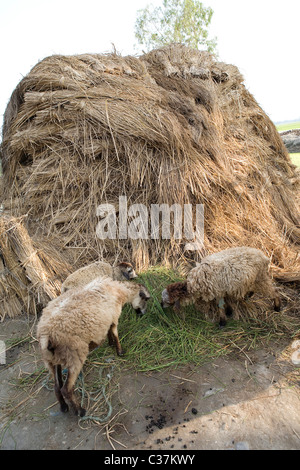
[29, 275]
[173, 126]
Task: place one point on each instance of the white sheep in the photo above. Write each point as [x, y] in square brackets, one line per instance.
[121, 272]
[78, 321]
[229, 274]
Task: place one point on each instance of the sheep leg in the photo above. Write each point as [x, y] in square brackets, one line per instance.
[113, 336]
[178, 311]
[277, 303]
[274, 295]
[68, 392]
[58, 386]
[110, 337]
[222, 313]
[266, 287]
[92, 346]
[228, 308]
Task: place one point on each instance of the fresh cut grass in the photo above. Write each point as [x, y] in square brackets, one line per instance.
[161, 338]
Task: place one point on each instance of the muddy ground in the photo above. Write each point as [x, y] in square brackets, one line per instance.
[249, 400]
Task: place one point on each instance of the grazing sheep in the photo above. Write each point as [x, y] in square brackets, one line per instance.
[81, 277]
[78, 321]
[233, 273]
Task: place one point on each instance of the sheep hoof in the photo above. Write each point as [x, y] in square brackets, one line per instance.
[121, 352]
[81, 412]
[277, 304]
[64, 408]
[222, 324]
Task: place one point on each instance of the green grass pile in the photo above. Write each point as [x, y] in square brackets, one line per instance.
[161, 339]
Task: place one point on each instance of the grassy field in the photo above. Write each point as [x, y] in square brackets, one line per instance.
[295, 158]
[288, 126]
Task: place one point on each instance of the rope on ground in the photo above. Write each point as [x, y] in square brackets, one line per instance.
[82, 389]
[108, 403]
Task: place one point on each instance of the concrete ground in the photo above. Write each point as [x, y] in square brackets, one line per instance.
[247, 401]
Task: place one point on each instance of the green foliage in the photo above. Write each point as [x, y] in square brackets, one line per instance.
[176, 21]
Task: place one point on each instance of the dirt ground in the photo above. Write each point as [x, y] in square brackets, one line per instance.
[246, 401]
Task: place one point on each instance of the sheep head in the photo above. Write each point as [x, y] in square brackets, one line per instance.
[139, 302]
[173, 294]
[126, 271]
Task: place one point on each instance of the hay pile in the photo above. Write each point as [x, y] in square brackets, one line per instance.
[29, 276]
[173, 126]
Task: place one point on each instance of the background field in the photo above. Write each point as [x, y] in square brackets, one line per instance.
[286, 127]
[295, 158]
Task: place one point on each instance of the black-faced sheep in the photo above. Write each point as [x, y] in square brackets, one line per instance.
[79, 320]
[121, 272]
[229, 274]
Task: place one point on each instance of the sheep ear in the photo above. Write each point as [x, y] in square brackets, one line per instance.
[144, 296]
[126, 275]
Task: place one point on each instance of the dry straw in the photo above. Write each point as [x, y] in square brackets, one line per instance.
[29, 276]
[172, 126]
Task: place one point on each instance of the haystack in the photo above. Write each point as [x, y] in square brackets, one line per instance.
[29, 275]
[172, 126]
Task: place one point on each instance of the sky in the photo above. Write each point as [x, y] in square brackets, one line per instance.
[260, 37]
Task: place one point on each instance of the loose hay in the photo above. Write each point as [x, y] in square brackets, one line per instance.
[172, 126]
[29, 276]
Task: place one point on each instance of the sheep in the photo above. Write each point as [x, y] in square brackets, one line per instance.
[81, 277]
[233, 273]
[78, 321]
